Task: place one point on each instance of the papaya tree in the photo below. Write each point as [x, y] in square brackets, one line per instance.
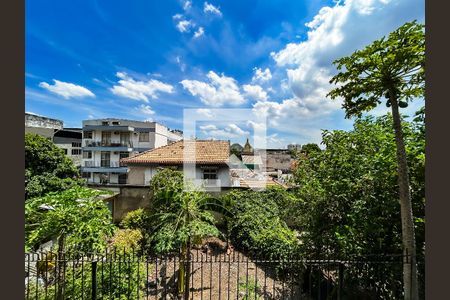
[391, 69]
[180, 218]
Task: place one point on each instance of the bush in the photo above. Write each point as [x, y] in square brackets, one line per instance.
[256, 225]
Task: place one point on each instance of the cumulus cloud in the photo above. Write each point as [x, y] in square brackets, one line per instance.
[261, 75]
[220, 90]
[336, 32]
[229, 131]
[184, 26]
[205, 112]
[67, 90]
[200, 31]
[177, 16]
[139, 90]
[255, 92]
[187, 5]
[209, 8]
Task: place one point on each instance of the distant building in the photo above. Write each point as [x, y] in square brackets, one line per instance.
[297, 147]
[248, 149]
[210, 159]
[106, 141]
[41, 125]
[68, 139]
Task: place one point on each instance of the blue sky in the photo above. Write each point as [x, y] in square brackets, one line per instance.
[149, 60]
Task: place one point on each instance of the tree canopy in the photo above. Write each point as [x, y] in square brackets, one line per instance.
[47, 169]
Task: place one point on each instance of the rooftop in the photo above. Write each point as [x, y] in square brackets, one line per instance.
[206, 152]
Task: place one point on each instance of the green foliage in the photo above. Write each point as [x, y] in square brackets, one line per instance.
[349, 191]
[177, 215]
[47, 169]
[76, 214]
[256, 225]
[127, 240]
[311, 147]
[392, 66]
[248, 286]
[136, 219]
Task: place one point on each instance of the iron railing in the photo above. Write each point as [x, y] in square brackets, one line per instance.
[95, 143]
[126, 275]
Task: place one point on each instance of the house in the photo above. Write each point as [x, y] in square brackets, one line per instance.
[106, 141]
[208, 158]
[68, 139]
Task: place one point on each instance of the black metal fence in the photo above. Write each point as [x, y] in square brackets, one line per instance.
[124, 275]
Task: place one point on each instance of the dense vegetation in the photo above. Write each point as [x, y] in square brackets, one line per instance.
[47, 169]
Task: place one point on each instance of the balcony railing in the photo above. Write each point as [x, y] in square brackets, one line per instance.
[103, 164]
[91, 143]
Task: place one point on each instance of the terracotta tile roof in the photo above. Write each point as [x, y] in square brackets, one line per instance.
[206, 152]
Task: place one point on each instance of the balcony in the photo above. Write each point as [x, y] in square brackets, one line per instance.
[104, 167]
[93, 145]
[108, 128]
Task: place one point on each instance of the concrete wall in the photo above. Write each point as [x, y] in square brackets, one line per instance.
[42, 122]
[129, 199]
[46, 132]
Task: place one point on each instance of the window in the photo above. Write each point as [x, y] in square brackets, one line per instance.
[144, 137]
[115, 123]
[106, 138]
[87, 134]
[122, 178]
[209, 174]
[105, 123]
[105, 159]
[86, 174]
[76, 144]
[87, 154]
[76, 151]
[125, 138]
[65, 151]
[124, 155]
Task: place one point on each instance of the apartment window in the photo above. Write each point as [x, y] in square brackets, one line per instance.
[115, 123]
[105, 159]
[65, 151]
[125, 138]
[76, 151]
[87, 134]
[76, 144]
[209, 174]
[124, 155]
[106, 138]
[122, 178]
[86, 174]
[105, 123]
[144, 137]
[87, 154]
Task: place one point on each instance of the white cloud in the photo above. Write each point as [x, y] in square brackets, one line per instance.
[184, 26]
[180, 63]
[139, 90]
[187, 5]
[146, 110]
[336, 32]
[67, 90]
[209, 8]
[255, 92]
[205, 112]
[199, 32]
[261, 75]
[218, 91]
[177, 16]
[229, 131]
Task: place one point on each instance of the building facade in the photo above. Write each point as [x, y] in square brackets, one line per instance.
[209, 162]
[70, 140]
[106, 141]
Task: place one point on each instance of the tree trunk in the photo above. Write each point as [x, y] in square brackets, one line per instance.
[188, 271]
[181, 272]
[60, 268]
[410, 283]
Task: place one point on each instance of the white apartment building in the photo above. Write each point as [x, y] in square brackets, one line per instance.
[106, 141]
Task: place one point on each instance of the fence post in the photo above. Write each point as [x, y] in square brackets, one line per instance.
[94, 280]
[341, 280]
